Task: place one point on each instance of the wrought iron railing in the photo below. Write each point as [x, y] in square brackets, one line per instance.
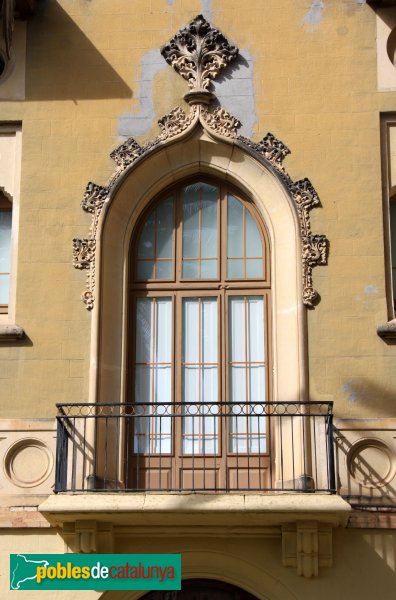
[217, 447]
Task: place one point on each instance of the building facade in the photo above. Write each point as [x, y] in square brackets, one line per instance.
[198, 345]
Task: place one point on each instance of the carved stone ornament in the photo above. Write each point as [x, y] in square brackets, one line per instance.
[198, 52]
[270, 148]
[306, 546]
[220, 121]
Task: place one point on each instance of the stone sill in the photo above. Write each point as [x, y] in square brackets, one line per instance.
[11, 333]
[388, 331]
[220, 510]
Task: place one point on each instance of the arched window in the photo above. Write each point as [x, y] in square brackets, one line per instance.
[5, 250]
[199, 361]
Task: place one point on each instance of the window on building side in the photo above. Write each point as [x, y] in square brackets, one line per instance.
[199, 359]
[5, 250]
[388, 139]
[392, 222]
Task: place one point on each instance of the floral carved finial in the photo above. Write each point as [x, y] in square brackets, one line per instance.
[198, 52]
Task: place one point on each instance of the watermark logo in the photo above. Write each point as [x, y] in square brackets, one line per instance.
[95, 571]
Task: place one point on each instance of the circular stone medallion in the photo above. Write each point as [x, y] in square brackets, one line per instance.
[28, 462]
[371, 463]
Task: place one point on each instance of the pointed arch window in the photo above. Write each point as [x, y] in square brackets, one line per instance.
[199, 356]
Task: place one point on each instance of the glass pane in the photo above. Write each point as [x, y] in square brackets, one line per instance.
[208, 269]
[253, 238]
[162, 384]
[235, 268]
[235, 246]
[5, 241]
[145, 269]
[144, 346]
[256, 383]
[164, 244]
[236, 332]
[190, 222]
[209, 384]
[392, 210]
[163, 269]
[200, 374]
[209, 330]
[153, 373]
[146, 240]
[143, 377]
[255, 322]
[163, 346]
[156, 241]
[200, 230]
[247, 383]
[4, 288]
[209, 221]
[191, 385]
[254, 267]
[238, 383]
[190, 269]
[190, 330]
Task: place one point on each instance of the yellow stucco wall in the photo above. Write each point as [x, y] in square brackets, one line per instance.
[314, 88]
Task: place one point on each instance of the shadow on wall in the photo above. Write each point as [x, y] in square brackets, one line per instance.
[371, 399]
[62, 63]
[366, 468]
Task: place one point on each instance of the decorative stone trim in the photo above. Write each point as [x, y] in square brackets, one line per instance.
[307, 546]
[220, 121]
[198, 52]
[175, 123]
[270, 148]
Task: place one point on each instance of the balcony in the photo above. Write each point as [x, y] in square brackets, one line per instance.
[215, 470]
[208, 448]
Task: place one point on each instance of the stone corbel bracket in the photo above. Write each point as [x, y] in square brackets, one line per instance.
[87, 537]
[198, 52]
[306, 546]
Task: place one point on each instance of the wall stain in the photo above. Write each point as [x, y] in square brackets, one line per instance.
[349, 389]
[140, 123]
[235, 91]
[314, 15]
[206, 9]
[370, 290]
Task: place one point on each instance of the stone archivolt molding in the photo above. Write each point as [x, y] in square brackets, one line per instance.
[198, 52]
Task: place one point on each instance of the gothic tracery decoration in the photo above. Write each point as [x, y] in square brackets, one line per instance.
[198, 52]
[314, 247]
[220, 121]
[270, 147]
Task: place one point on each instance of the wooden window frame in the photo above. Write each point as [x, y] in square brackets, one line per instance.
[222, 288]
